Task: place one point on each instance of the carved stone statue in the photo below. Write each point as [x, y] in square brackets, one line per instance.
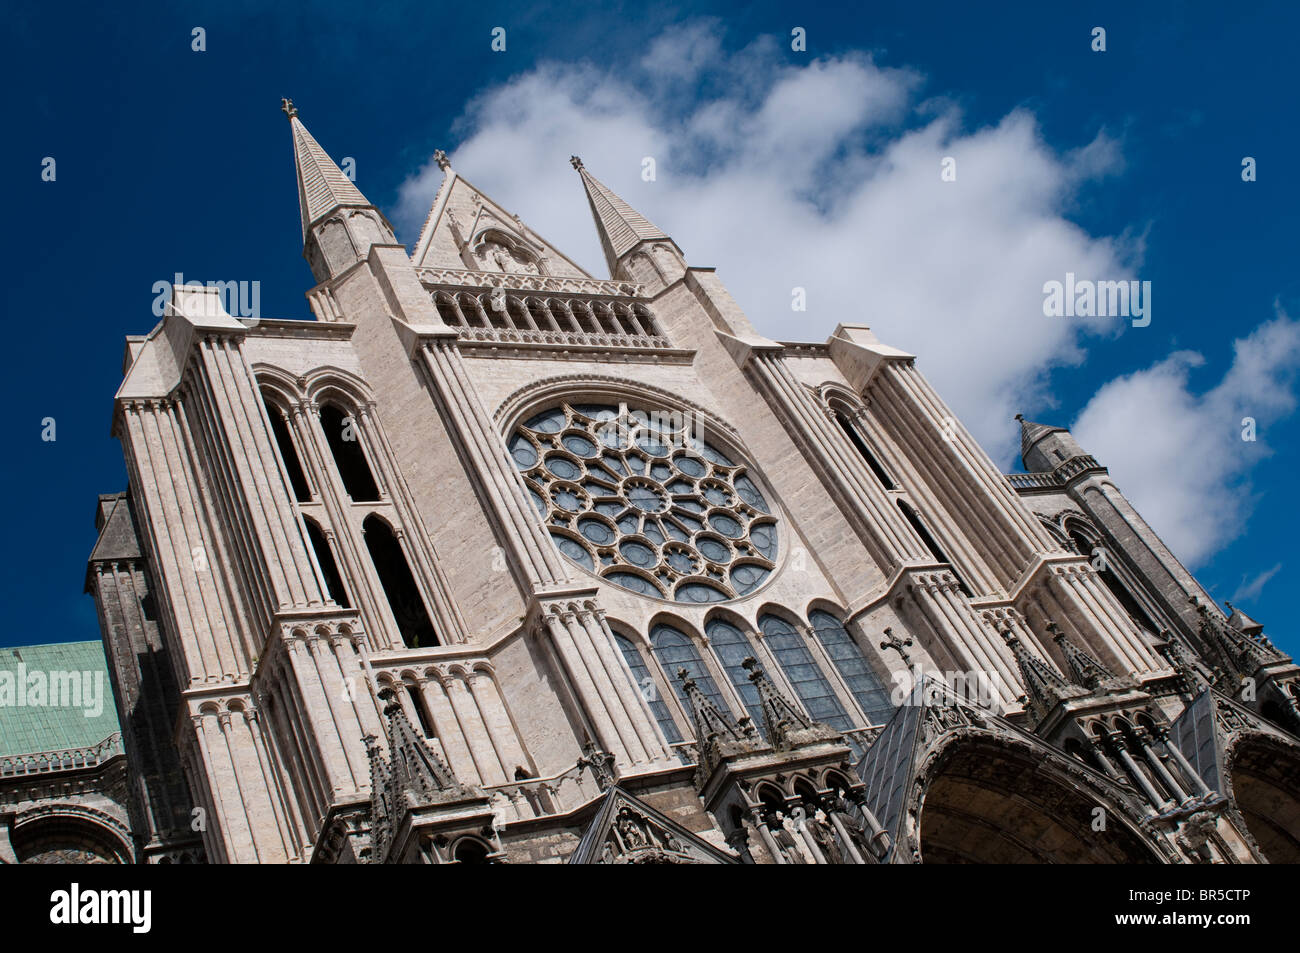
[824, 836]
[787, 838]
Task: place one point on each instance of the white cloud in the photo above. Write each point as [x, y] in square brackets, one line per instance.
[825, 176]
[1250, 591]
[1179, 456]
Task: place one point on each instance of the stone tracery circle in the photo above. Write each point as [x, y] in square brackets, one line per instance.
[638, 499]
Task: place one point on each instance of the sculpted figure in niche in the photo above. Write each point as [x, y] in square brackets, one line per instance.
[493, 254]
[630, 827]
[824, 835]
[787, 838]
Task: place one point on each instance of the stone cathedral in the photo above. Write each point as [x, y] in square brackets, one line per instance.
[496, 561]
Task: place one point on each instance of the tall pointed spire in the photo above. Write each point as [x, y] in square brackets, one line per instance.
[1243, 623]
[331, 243]
[322, 186]
[621, 227]
[1044, 447]
[711, 722]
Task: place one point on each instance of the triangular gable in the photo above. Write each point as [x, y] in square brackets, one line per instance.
[456, 226]
[627, 830]
[117, 535]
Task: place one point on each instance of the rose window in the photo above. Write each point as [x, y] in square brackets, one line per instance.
[639, 500]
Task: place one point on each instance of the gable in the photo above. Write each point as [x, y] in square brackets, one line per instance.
[626, 830]
[468, 230]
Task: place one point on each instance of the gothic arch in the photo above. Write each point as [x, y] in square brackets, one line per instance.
[1262, 777]
[519, 248]
[321, 382]
[534, 397]
[822, 604]
[279, 384]
[70, 833]
[629, 632]
[987, 797]
[678, 622]
[702, 654]
[780, 611]
[730, 616]
[469, 849]
[1114, 574]
[395, 570]
[1054, 530]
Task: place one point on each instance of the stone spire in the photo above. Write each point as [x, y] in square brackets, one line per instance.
[381, 809]
[412, 777]
[1044, 447]
[1045, 688]
[1243, 623]
[1243, 653]
[780, 718]
[417, 773]
[710, 721]
[621, 227]
[1031, 433]
[322, 186]
[717, 734]
[322, 190]
[1087, 671]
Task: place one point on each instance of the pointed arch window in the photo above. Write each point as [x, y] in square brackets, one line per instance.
[421, 709]
[932, 544]
[288, 451]
[649, 689]
[328, 567]
[864, 451]
[345, 445]
[808, 681]
[675, 651]
[847, 657]
[408, 608]
[1088, 547]
[732, 648]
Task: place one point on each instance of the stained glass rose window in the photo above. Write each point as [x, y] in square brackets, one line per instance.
[646, 503]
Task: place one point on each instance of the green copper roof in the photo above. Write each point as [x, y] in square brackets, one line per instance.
[54, 697]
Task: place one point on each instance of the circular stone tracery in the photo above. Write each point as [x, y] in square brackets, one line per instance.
[646, 506]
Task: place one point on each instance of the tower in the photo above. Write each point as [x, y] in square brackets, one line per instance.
[500, 561]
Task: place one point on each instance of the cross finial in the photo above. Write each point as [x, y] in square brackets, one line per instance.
[440, 157]
[288, 108]
[575, 162]
[898, 645]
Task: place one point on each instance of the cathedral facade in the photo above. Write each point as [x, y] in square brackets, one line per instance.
[497, 561]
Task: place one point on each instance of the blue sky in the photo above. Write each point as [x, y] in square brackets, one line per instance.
[1125, 162]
